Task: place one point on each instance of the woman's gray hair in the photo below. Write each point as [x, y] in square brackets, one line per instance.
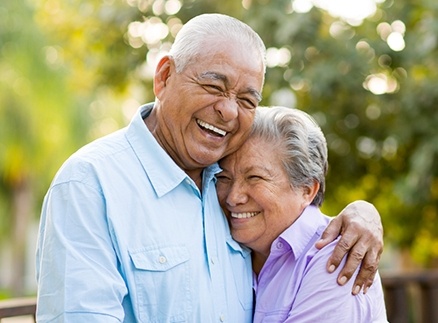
[301, 143]
[190, 40]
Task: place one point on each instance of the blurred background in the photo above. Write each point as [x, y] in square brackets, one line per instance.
[367, 70]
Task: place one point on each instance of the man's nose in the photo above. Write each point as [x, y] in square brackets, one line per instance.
[227, 108]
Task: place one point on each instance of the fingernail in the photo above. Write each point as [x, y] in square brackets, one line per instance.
[331, 268]
[365, 290]
[356, 290]
[342, 280]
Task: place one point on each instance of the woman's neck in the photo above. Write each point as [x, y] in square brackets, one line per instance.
[258, 260]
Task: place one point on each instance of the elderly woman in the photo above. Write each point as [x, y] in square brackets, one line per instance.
[271, 190]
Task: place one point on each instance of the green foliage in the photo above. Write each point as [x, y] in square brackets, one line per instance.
[84, 73]
[39, 124]
[383, 148]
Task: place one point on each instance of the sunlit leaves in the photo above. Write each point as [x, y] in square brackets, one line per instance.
[369, 79]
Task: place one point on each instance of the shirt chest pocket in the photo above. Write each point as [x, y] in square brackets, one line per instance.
[160, 259]
[162, 283]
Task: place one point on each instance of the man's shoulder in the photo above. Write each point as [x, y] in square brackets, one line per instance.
[98, 154]
[103, 146]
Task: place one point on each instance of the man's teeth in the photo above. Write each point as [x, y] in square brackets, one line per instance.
[211, 127]
[243, 215]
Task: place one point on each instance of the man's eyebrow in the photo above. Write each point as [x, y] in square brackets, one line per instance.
[223, 78]
[255, 94]
[214, 76]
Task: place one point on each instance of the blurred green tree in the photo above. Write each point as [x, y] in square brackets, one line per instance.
[80, 69]
[372, 87]
[40, 124]
[370, 82]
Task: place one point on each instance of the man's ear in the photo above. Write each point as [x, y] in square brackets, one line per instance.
[162, 73]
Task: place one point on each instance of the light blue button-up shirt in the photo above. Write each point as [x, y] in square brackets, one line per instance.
[126, 236]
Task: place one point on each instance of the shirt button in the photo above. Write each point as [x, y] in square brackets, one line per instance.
[222, 318]
[162, 259]
[279, 245]
[212, 261]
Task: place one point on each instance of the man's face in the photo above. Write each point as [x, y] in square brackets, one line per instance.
[207, 109]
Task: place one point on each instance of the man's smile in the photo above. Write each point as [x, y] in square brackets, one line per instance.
[211, 128]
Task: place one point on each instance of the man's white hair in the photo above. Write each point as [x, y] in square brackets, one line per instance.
[190, 40]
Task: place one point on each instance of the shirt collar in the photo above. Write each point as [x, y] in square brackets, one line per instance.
[302, 231]
[162, 171]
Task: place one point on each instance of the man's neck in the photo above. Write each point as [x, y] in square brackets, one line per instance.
[195, 174]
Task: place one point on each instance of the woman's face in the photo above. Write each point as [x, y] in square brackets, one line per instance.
[256, 195]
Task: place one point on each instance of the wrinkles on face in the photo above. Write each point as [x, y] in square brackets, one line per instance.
[207, 109]
[220, 84]
[253, 181]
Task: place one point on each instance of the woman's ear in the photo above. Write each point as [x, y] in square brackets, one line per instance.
[309, 193]
[162, 74]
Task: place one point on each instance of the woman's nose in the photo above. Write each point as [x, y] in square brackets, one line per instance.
[236, 195]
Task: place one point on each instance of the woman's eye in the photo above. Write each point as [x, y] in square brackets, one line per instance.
[222, 178]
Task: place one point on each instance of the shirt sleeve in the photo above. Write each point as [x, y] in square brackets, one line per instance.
[77, 272]
[320, 298]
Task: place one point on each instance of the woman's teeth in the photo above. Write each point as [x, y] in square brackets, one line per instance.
[243, 215]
